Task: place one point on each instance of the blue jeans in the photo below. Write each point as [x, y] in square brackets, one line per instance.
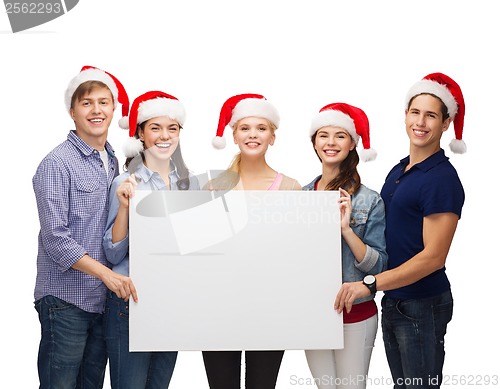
[413, 332]
[134, 370]
[72, 352]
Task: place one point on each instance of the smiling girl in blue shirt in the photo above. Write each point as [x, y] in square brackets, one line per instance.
[154, 162]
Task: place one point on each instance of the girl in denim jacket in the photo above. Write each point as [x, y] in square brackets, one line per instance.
[335, 132]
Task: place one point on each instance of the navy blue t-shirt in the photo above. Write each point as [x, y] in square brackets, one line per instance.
[429, 187]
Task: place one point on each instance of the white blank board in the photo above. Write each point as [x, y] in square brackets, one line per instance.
[241, 270]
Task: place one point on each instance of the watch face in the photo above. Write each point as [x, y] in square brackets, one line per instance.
[369, 279]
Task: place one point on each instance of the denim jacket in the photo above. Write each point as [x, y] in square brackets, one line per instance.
[368, 223]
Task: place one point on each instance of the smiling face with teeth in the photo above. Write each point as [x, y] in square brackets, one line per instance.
[253, 135]
[424, 123]
[160, 136]
[92, 114]
[333, 144]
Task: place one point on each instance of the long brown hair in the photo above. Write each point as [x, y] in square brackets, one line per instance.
[348, 177]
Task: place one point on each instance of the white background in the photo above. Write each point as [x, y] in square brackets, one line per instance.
[301, 56]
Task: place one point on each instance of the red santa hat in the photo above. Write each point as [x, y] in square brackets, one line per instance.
[350, 118]
[147, 106]
[242, 106]
[90, 73]
[449, 92]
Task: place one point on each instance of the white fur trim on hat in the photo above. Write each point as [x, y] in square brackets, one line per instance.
[330, 117]
[438, 90]
[90, 75]
[132, 147]
[161, 107]
[257, 108]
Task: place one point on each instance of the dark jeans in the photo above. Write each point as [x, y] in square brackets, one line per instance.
[133, 370]
[72, 352]
[223, 369]
[413, 332]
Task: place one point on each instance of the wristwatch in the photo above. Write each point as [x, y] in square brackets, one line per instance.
[371, 283]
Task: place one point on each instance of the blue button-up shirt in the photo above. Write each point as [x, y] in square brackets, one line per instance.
[71, 188]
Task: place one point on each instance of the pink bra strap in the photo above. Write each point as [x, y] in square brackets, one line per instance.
[277, 182]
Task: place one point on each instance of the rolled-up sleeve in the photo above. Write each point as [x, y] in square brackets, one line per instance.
[118, 251]
[375, 259]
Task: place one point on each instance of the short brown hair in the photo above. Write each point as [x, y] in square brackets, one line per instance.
[444, 108]
[85, 88]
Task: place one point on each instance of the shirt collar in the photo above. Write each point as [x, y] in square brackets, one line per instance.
[428, 163]
[146, 174]
[312, 184]
[84, 147]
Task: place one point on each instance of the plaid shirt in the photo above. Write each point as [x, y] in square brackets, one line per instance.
[71, 189]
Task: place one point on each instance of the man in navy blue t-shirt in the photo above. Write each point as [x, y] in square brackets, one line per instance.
[423, 197]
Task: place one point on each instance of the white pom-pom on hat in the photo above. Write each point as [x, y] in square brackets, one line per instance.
[219, 142]
[123, 123]
[458, 146]
[132, 147]
[367, 155]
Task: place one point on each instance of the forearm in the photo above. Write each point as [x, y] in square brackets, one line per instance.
[413, 270]
[90, 266]
[357, 246]
[438, 232]
[117, 283]
[408, 273]
[120, 226]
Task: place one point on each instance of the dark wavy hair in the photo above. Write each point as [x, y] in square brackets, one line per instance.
[348, 177]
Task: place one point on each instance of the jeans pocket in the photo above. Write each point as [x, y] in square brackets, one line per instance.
[53, 304]
[408, 309]
[124, 311]
[117, 306]
[445, 308]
